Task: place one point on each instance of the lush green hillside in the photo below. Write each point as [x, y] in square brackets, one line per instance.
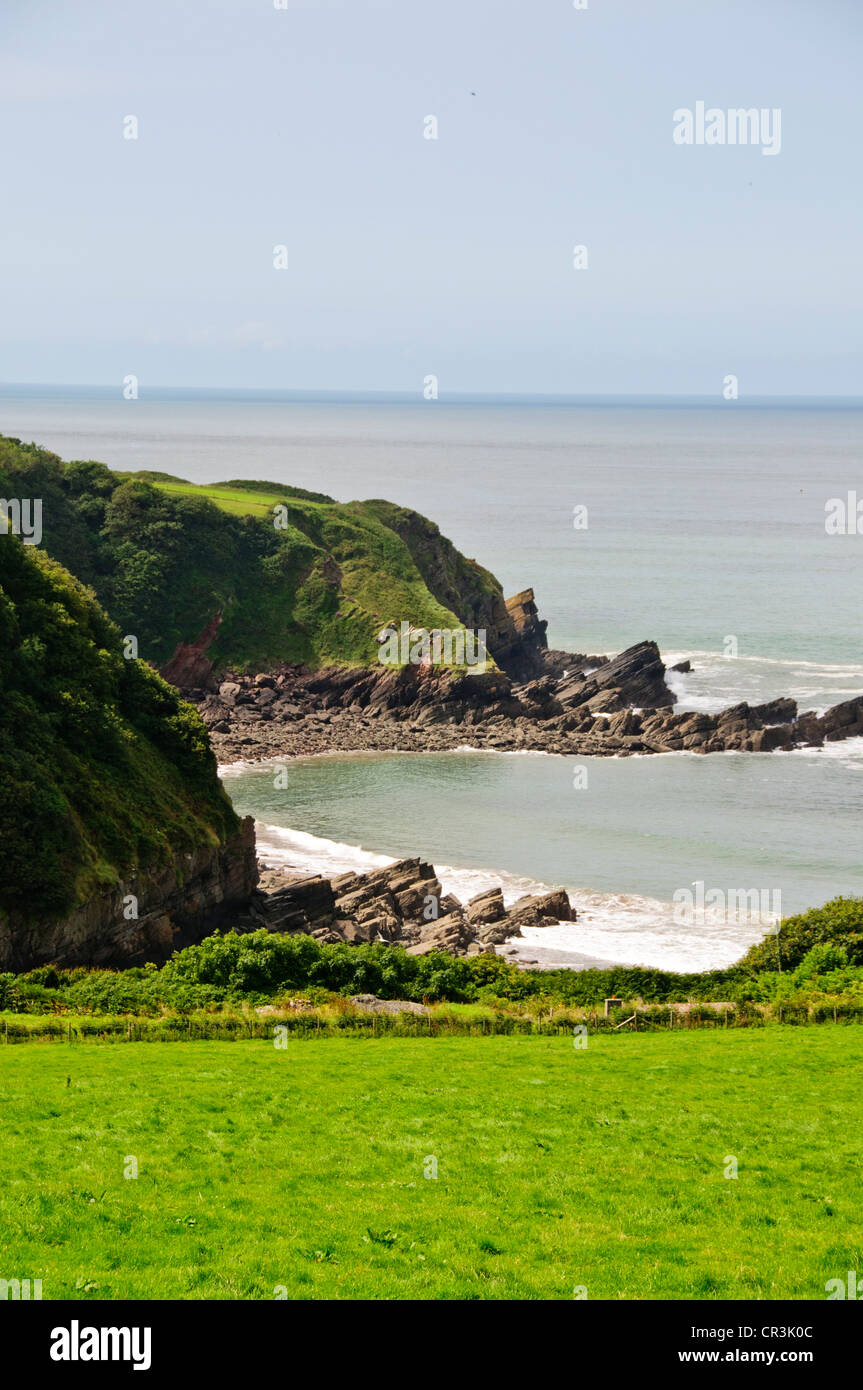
[165, 557]
[103, 769]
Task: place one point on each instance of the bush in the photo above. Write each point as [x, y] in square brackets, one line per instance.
[821, 960]
[839, 922]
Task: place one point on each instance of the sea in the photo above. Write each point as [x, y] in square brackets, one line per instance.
[699, 524]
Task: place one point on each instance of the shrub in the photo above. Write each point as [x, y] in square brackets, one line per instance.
[840, 922]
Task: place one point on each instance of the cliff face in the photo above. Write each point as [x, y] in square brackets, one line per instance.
[176, 905]
[515, 635]
[117, 840]
[252, 576]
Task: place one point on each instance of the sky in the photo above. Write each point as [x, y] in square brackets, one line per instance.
[408, 257]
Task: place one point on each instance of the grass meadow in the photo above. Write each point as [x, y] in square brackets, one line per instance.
[309, 1172]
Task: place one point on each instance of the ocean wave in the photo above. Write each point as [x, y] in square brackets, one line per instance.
[842, 667]
[614, 929]
[611, 928]
[717, 682]
[301, 853]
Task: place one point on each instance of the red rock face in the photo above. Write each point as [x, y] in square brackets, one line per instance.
[189, 668]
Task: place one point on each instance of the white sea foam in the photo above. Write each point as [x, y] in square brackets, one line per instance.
[611, 928]
[717, 682]
[301, 853]
[626, 929]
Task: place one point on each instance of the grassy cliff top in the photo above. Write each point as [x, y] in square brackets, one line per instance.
[103, 768]
[294, 575]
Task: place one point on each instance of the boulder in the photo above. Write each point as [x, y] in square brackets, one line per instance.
[370, 1004]
[486, 907]
[542, 910]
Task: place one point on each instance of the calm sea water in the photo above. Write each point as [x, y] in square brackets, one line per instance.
[705, 523]
[640, 830]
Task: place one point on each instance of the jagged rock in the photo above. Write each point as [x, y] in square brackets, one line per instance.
[189, 667]
[775, 736]
[448, 903]
[358, 908]
[781, 711]
[809, 729]
[626, 722]
[844, 720]
[486, 907]
[569, 704]
[542, 910]
[495, 933]
[638, 675]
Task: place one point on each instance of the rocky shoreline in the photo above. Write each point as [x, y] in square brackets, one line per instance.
[547, 701]
[577, 705]
[402, 904]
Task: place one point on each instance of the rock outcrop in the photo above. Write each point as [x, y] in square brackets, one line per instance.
[401, 904]
[634, 678]
[523, 655]
[190, 665]
[370, 1004]
[146, 918]
[579, 705]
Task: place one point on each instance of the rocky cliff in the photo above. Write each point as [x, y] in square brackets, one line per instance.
[145, 917]
[251, 576]
[116, 836]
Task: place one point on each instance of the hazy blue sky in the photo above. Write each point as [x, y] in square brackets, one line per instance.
[407, 256]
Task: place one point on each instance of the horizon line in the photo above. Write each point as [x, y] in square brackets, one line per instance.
[336, 395]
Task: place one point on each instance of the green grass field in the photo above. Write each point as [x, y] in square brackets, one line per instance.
[556, 1167]
[239, 502]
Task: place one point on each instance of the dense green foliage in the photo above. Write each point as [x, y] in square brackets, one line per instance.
[262, 965]
[839, 922]
[305, 1172]
[231, 968]
[103, 768]
[164, 557]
